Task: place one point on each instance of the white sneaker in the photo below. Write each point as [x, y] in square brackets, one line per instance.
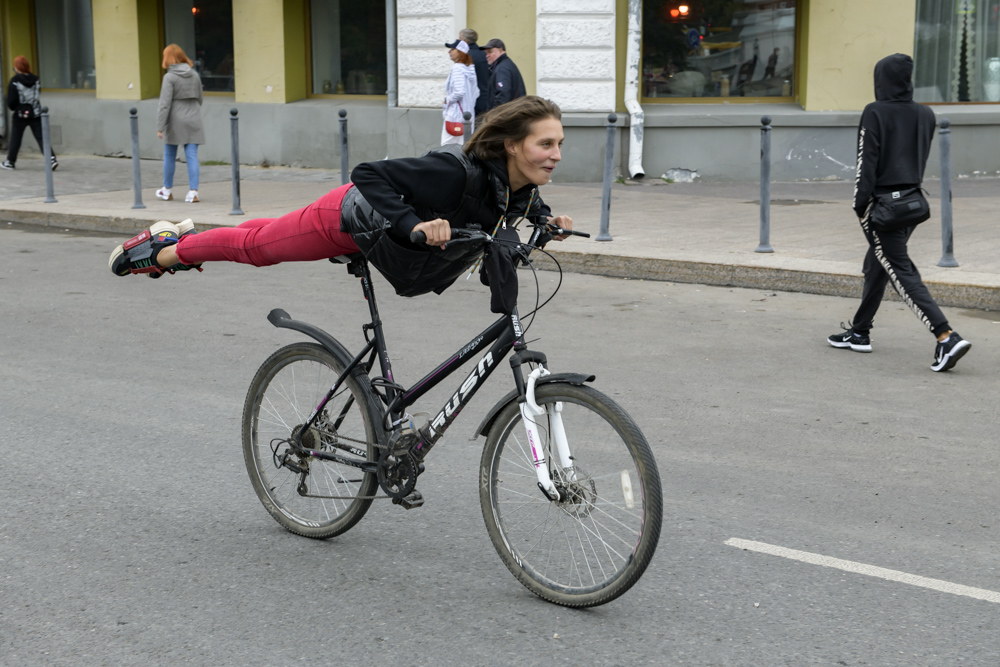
[192, 197]
[166, 194]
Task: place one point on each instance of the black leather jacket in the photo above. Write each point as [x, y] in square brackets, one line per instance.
[417, 269]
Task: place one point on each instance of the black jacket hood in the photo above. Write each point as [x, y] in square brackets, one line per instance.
[893, 78]
[26, 79]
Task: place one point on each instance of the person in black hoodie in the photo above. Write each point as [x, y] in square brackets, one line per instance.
[22, 99]
[493, 179]
[894, 139]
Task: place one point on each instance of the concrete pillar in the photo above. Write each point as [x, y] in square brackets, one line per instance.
[576, 53]
[837, 52]
[514, 22]
[126, 49]
[423, 28]
[16, 36]
[269, 50]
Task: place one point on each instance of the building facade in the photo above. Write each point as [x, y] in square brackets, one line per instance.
[688, 81]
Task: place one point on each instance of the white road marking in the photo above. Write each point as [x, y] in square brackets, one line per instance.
[869, 570]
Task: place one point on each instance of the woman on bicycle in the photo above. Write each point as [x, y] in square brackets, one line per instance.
[492, 180]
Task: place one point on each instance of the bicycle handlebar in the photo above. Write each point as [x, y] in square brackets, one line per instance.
[459, 234]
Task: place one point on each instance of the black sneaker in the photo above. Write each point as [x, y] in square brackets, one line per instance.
[859, 342]
[55, 163]
[948, 352]
[7, 164]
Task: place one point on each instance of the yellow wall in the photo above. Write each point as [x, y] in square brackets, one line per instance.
[126, 49]
[17, 36]
[513, 21]
[269, 50]
[845, 40]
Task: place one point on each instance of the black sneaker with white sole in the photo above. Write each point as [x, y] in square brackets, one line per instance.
[949, 351]
[859, 342]
[7, 164]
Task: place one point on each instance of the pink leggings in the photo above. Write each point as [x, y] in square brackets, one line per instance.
[308, 234]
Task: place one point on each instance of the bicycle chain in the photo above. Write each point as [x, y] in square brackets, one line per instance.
[360, 442]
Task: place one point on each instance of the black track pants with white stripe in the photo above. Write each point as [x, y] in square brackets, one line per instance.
[887, 261]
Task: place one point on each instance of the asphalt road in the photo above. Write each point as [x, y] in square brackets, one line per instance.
[129, 532]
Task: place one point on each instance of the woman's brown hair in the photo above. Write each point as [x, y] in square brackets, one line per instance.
[464, 58]
[21, 64]
[172, 55]
[509, 121]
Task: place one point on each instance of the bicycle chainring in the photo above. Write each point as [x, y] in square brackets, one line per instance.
[397, 475]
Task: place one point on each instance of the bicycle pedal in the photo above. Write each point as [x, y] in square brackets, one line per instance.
[414, 499]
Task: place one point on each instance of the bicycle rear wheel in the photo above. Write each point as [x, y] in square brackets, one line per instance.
[593, 545]
[284, 392]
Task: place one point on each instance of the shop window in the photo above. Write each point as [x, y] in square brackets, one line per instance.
[64, 33]
[957, 51]
[347, 40]
[204, 29]
[718, 49]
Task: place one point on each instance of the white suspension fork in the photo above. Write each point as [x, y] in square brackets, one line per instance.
[530, 413]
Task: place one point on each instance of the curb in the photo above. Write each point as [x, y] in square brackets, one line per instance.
[952, 295]
[720, 274]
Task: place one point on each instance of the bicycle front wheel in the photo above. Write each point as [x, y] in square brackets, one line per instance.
[322, 498]
[592, 545]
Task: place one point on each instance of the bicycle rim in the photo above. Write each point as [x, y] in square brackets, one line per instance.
[591, 547]
[285, 391]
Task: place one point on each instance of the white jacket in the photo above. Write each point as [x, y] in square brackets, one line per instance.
[461, 88]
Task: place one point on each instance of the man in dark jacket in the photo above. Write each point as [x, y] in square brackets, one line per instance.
[506, 83]
[469, 36]
[894, 139]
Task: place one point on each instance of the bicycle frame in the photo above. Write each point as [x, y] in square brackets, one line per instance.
[501, 336]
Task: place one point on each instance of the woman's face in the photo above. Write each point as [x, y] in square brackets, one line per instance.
[453, 54]
[535, 158]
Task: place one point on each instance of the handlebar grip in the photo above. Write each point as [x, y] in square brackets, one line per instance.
[418, 237]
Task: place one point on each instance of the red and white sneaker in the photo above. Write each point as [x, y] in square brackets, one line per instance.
[138, 254]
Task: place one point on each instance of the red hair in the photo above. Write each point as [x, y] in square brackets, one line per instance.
[21, 64]
[173, 55]
[464, 58]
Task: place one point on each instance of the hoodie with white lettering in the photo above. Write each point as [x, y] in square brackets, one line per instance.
[894, 136]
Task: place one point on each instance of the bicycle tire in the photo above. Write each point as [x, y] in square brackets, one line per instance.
[593, 546]
[285, 390]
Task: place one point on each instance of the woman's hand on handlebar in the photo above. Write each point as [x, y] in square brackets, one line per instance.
[563, 222]
[438, 231]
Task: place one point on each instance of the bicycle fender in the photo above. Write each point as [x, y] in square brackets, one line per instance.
[564, 378]
[282, 319]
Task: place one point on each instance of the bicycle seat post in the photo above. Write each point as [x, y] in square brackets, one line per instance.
[359, 267]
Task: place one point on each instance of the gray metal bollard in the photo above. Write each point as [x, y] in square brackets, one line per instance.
[345, 173]
[466, 126]
[50, 197]
[235, 137]
[765, 186]
[947, 239]
[609, 159]
[136, 178]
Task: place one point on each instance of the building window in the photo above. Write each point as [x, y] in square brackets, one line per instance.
[718, 49]
[347, 40]
[64, 33]
[204, 29]
[957, 51]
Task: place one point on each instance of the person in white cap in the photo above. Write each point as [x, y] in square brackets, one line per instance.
[460, 93]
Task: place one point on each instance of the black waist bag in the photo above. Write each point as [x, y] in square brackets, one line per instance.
[498, 271]
[899, 209]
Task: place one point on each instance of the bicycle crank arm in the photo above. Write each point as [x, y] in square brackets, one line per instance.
[530, 412]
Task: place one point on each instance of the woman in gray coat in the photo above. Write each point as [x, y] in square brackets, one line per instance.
[178, 120]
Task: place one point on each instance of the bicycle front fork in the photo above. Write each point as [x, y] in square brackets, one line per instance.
[530, 414]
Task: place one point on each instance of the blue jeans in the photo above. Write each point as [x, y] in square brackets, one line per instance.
[170, 163]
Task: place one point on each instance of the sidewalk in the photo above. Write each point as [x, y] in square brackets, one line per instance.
[699, 232]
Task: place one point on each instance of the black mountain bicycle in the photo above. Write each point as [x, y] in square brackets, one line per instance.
[568, 486]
